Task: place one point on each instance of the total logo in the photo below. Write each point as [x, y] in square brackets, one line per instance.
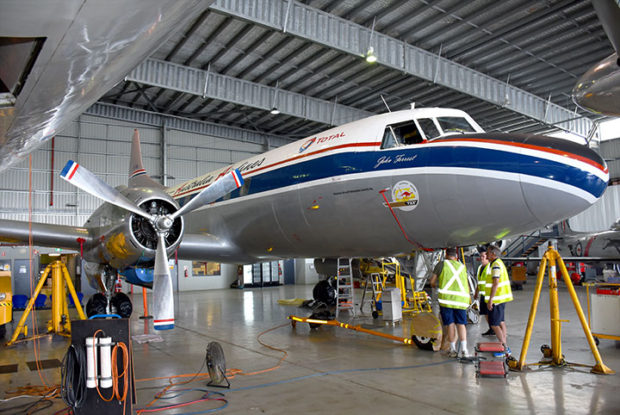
[405, 196]
[317, 140]
[307, 144]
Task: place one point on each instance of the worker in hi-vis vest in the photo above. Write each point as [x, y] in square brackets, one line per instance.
[497, 294]
[481, 276]
[450, 277]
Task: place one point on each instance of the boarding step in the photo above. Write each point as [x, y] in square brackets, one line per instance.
[490, 368]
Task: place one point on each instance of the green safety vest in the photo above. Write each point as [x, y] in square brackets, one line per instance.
[453, 285]
[504, 292]
[482, 278]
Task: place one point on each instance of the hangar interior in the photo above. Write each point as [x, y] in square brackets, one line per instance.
[247, 77]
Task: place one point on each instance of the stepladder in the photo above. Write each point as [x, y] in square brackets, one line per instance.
[345, 296]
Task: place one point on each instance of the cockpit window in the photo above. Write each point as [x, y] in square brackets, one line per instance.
[455, 125]
[429, 128]
[404, 133]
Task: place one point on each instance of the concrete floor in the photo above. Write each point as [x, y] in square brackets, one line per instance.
[333, 370]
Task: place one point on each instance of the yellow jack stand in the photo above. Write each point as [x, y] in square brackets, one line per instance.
[551, 257]
[60, 323]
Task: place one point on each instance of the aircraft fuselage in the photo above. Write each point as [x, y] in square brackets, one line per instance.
[324, 195]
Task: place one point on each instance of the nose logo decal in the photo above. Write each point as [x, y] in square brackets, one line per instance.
[405, 196]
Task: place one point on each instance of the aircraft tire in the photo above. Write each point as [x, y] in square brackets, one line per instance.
[122, 304]
[323, 292]
[96, 305]
[424, 343]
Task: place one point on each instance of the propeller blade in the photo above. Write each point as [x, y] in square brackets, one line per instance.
[81, 177]
[163, 300]
[217, 189]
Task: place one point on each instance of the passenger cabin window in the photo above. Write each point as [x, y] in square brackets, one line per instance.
[455, 125]
[429, 128]
[404, 133]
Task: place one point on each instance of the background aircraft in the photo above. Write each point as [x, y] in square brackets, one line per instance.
[588, 246]
[57, 57]
[598, 90]
[388, 184]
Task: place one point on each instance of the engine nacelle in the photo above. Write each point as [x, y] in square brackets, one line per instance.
[124, 239]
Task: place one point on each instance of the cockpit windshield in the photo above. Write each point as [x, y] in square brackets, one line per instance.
[428, 126]
[455, 125]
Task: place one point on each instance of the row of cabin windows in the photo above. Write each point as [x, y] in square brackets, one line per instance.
[407, 133]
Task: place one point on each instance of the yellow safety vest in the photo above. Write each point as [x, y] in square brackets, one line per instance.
[453, 285]
[482, 278]
[504, 292]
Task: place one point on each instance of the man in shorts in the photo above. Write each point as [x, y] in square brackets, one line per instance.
[481, 275]
[497, 294]
[450, 277]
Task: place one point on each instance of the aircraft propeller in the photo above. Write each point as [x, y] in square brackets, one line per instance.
[163, 300]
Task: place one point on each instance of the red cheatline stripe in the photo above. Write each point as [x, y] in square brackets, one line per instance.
[73, 170]
[163, 321]
[138, 171]
[531, 147]
[288, 160]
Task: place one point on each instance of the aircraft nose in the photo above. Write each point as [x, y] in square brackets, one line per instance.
[559, 177]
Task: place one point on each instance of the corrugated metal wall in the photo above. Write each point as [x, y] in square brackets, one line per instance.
[611, 151]
[601, 215]
[103, 145]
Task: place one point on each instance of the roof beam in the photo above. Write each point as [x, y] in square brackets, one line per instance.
[137, 116]
[205, 84]
[334, 32]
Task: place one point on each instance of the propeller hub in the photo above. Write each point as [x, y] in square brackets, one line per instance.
[163, 223]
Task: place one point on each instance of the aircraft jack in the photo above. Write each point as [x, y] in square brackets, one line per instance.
[551, 258]
[60, 322]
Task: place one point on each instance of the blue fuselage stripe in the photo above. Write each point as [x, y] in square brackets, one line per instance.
[339, 164]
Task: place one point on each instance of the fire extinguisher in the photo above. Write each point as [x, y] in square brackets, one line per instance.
[185, 271]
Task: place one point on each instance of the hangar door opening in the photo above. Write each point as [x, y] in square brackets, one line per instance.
[263, 274]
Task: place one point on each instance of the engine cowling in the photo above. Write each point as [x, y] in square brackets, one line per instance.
[124, 239]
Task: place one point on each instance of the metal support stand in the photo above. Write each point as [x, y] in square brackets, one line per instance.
[145, 304]
[551, 258]
[60, 322]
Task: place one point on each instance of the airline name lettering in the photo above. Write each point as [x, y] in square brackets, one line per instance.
[205, 181]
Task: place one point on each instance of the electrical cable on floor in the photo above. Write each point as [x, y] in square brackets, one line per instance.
[204, 398]
[73, 377]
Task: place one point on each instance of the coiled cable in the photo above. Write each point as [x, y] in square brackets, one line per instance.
[73, 377]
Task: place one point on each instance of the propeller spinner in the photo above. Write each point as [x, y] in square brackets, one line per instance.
[163, 300]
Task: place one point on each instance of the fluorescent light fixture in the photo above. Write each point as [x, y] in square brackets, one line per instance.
[274, 111]
[370, 55]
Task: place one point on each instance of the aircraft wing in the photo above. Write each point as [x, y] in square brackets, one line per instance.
[207, 247]
[57, 57]
[43, 234]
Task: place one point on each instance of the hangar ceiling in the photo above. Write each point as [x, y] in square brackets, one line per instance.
[510, 64]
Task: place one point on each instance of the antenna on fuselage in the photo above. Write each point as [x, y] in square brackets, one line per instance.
[386, 105]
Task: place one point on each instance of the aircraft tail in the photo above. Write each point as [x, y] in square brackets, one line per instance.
[137, 174]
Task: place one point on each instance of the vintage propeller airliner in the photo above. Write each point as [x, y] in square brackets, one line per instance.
[392, 183]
